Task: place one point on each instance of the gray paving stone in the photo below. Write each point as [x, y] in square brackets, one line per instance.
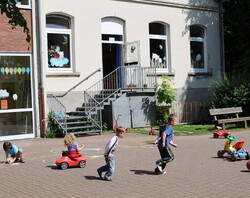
[195, 172]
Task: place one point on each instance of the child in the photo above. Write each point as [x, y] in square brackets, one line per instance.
[13, 154]
[110, 148]
[73, 148]
[164, 145]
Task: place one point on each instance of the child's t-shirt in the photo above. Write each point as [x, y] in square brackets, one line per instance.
[73, 148]
[169, 132]
[111, 146]
[13, 151]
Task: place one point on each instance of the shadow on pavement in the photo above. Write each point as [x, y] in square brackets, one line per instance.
[245, 171]
[53, 167]
[92, 178]
[143, 172]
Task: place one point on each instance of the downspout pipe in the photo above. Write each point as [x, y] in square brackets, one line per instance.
[41, 96]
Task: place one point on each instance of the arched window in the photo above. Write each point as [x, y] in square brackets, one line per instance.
[197, 48]
[112, 30]
[158, 45]
[59, 38]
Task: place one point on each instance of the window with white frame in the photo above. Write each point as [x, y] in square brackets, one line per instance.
[16, 111]
[197, 49]
[23, 3]
[59, 37]
[158, 46]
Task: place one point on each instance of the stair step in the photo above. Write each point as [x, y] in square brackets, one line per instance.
[76, 123]
[76, 112]
[80, 127]
[91, 131]
[80, 109]
[72, 118]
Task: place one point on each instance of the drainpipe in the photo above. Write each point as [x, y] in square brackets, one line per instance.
[40, 70]
[221, 32]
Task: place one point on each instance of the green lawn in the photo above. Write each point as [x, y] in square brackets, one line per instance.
[181, 130]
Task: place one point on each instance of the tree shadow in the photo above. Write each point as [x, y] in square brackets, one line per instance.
[143, 172]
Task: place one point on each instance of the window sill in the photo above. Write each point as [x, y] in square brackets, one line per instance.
[165, 73]
[63, 74]
[200, 74]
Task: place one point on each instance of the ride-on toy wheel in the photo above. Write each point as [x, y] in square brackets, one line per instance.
[216, 135]
[220, 154]
[82, 164]
[247, 156]
[64, 165]
[233, 157]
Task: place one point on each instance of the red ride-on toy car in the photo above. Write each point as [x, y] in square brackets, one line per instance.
[64, 162]
[221, 133]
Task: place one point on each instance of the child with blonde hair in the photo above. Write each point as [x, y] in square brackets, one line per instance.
[73, 147]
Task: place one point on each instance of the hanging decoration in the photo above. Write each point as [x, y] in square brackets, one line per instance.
[15, 70]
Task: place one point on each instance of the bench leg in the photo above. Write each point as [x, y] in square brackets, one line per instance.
[245, 124]
[223, 126]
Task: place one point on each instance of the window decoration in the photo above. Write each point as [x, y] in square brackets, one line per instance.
[59, 42]
[158, 45]
[197, 48]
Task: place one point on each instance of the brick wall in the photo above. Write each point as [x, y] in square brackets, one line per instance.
[14, 40]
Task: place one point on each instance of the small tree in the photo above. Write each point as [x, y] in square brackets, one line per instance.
[165, 95]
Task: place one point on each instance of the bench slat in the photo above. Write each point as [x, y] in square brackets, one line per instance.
[232, 120]
[225, 111]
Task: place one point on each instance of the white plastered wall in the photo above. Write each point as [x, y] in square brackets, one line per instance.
[87, 54]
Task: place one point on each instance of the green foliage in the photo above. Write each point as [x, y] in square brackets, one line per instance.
[16, 18]
[236, 27]
[230, 91]
[165, 94]
[161, 115]
[105, 127]
[164, 91]
[53, 131]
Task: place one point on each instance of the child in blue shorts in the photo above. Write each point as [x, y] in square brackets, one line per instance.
[164, 142]
[13, 153]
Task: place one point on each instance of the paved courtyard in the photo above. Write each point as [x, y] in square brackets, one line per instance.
[195, 172]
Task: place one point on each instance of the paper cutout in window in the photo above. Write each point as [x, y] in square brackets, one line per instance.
[4, 104]
[58, 59]
[4, 93]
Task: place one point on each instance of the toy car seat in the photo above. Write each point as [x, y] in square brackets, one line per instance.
[239, 145]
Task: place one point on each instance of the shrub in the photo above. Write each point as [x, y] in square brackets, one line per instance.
[230, 91]
[165, 95]
[53, 131]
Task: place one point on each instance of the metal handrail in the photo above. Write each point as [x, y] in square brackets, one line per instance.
[124, 77]
[98, 70]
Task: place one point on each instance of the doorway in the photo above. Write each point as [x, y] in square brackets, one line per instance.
[112, 40]
[111, 57]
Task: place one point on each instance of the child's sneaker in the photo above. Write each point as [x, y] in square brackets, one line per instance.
[21, 160]
[107, 179]
[100, 174]
[161, 173]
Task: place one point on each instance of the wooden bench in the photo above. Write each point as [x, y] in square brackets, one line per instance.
[227, 111]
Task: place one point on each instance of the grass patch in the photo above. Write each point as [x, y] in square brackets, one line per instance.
[182, 130]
